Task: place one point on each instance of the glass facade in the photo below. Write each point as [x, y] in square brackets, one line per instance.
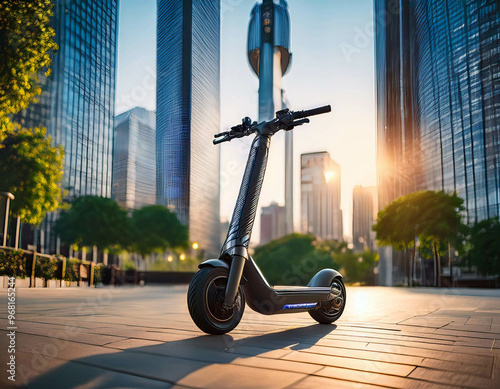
[77, 102]
[187, 116]
[134, 159]
[438, 100]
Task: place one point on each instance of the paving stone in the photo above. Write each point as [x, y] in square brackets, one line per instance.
[241, 377]
[313, 382]
[452, 378]
[351, 363]
[363, 377]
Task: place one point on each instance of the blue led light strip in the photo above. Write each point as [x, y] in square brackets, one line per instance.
[299, 306]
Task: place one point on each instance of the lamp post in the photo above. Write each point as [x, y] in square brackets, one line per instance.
[9, 196]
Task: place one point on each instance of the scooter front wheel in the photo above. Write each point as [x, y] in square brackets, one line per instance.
[206, 301]
[336, 308]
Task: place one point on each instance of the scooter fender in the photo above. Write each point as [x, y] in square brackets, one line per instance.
[324, 277]
[213, 263]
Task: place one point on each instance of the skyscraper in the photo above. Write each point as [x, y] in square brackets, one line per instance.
[134, 159]
[320, 196]
[364, 214]
[187, 116]
[272, 223]
[269, 55]
[438, 111]
[77, 101]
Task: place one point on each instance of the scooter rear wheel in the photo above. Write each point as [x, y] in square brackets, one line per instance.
[327, 316]
[206, 301]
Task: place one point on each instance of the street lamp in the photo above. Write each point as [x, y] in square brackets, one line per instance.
[195, 245]
[182, 257]
[9, 196]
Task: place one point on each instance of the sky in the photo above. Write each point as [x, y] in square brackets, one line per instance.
[333, 63]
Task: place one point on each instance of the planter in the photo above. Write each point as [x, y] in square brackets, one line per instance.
[73, 284]
[52, 283]
[39, 282]
[22, 282]
[3, 281]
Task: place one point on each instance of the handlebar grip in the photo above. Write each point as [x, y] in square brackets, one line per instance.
[312, 112]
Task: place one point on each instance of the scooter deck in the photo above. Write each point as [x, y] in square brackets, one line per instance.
[281, 289]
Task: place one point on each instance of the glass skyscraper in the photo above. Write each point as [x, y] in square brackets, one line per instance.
[187, 116]
[77, 101]
[134, 159]
[438, 100]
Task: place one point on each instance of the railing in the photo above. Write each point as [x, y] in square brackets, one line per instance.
[84, 270]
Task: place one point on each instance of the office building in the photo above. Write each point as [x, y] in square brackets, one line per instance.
[134, 159]
[438, 111]
[320, 196]
[272, 223]
[187, 116]
[364, 215]
[77, 102]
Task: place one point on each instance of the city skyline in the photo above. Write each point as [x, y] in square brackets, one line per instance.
[332, 45]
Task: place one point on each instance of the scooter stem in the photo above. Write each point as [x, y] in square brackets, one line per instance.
[240, 229]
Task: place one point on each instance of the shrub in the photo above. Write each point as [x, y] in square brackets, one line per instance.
[46, 268]
[101, 274]
[72, 270]
[12, 263]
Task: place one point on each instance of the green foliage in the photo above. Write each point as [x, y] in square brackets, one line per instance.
[101, 274]
[431, 216]
[27, 43]
[128, 265]
[12, 263]
[46, 268]
[94, 221]
[357, 267]
[32, 171]
[72, 272]
[155, 228]
[292, 260]
[484, 251]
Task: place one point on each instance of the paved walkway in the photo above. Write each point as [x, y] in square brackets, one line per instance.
[144, 337]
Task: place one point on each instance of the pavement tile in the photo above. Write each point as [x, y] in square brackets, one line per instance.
[72, 375]
[241, 377]
[132, 343]
[313, 382]
[277, 364]
[482, 371]
[351, 363]
[365, 354]
[362, 377]
[452, 378]
[447, 356]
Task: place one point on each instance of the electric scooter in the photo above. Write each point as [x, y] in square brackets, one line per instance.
[218, 291]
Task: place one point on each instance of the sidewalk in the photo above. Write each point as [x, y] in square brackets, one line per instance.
[144, 337]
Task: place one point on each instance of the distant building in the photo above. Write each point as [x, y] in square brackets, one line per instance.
[272, 223]
[320, 196]
[77, 103]
[134, 159]
[187, 116]
[364, 213]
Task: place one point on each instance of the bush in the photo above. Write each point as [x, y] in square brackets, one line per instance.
[12, 263]
[46, 268]
[101, 274]
[72, 270]
[292, 260]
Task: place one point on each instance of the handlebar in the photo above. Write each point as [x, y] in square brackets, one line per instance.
[285, 120]
[312, 112]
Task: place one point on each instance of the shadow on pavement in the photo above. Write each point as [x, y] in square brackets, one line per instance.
[166, 364]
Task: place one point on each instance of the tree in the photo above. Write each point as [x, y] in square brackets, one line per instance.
[293, 259]
[484, 251]
[32, 171]
[357, 267]
[154, 228]
[94, 221]
[429, 215]
[27, 43]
